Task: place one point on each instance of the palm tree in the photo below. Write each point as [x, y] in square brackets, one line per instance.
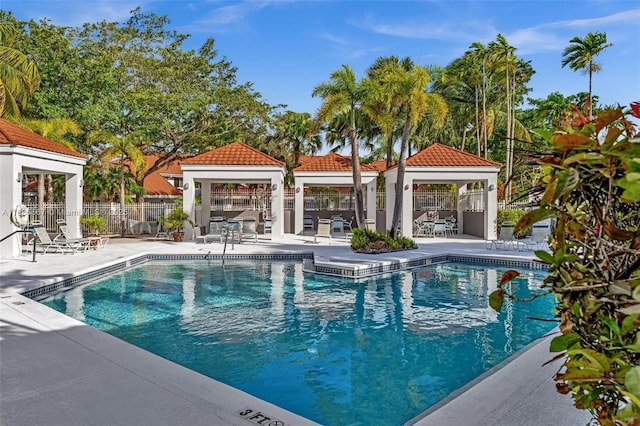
[403, 89]
[580, 56]
[126, 152]
[342, 93]
[295, 134]
[19, 76]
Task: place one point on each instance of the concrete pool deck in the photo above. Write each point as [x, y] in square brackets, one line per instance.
[57, 371]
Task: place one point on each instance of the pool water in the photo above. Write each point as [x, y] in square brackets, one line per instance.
[333, 350]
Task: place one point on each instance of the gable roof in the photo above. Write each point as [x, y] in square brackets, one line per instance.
[12, 134]
[438, 155]
[155, 183]
[234, 154]
[331, 162]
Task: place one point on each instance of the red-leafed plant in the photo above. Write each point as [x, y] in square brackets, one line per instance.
[590, 187]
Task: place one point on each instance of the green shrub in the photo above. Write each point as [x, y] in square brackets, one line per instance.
[367, 241]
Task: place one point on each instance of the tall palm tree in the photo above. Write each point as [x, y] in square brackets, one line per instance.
[295, 134]
[124, 151]
[403, 86]
[19, 76]
[343, 93]
[503, 54]
[580, 56]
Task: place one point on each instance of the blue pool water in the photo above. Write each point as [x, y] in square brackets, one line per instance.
[335, 351]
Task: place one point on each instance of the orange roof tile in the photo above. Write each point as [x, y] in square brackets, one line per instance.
[157, 185]
[12, 134]
[438, 155]
[331, 162]
[380, 165]
[234, 154]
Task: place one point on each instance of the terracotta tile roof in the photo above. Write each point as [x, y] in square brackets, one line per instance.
[12, 134]
[158, 185]
[234, 154]
[331, 162]
[438, 155]
[380, 165]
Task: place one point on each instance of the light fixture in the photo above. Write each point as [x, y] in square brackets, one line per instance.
[19, 177]
[491, 187]
[406, 187]
[298, 190]
[81, 183]
[274, 186]
[372, 189]
[185, 186]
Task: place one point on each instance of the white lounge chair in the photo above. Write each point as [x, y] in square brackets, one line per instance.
[217, 229]
[506, 239]
[44, 241]
[539, 236]
[370, 224]
[324, 229]
[249, 229]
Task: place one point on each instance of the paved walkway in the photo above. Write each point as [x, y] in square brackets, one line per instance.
[57, 371]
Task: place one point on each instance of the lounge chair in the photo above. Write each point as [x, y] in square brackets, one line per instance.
[44, 241]
[539, 236]
[67, 237]
[217, 229]
[324, 229]
[506, 239]
[249, 229]
[370, 224]
[233, 231]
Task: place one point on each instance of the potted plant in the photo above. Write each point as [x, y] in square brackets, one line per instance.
[175, 220]
[95, 223]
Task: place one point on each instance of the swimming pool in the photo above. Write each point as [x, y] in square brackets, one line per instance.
[333, 350]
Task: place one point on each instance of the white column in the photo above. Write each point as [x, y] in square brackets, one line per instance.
[10, 196]
[73, 201]
[462, 190]
[189, 203]
[390, 196]
[205, 213]
[277, 208]
[299, 206]
[371, 199]
[407, 207]
[490, 208]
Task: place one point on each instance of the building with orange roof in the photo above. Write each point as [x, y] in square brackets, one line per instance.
[233, 163]
[441, 164]
[332, 170]
[22, 153]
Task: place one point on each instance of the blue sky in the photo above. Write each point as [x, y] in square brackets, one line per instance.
[286, 47]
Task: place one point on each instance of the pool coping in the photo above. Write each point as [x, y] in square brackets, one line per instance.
[325, 254]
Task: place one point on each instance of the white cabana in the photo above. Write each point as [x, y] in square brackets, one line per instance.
[23, 153]
[441, 164]
[332, 170]
[233, 163]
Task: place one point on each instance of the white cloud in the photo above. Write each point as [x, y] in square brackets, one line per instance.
[631, 16]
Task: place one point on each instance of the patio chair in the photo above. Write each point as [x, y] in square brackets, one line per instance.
[268, 224]
[324, 229]
[217, 229]
[539, 236]
[307, 222]
[440, 228]
[370, 224]
[249, 229]
[337, 224]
